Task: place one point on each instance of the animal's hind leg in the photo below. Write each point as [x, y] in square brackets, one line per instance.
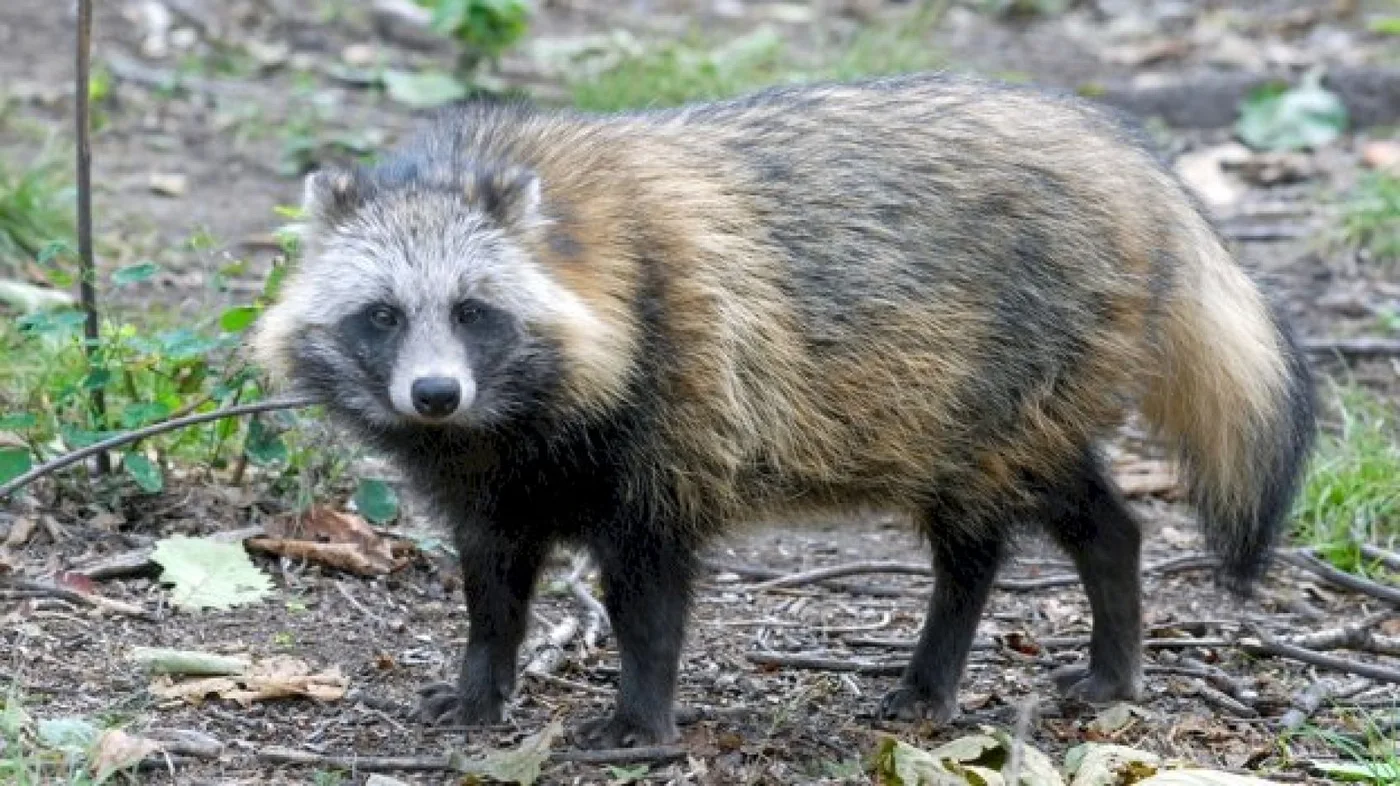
[964, 567]
[1088, 518]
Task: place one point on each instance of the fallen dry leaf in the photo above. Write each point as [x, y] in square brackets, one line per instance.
[117, 751]
[275, 678]
[340, 540]
[1382, 154]
[20, 531]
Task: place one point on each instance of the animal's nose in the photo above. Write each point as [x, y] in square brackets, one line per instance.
[436, 397]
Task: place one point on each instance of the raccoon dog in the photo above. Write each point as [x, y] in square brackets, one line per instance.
[928, 295]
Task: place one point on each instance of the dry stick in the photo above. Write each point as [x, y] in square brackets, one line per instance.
[279, 755]
[1356, 636]
[1306, 561]
[87, 275]
[872, 668]
[97, 448]
[1307, 702]
[1359, 347]
[1263, 644]
[596, 624]
[1173, 565]
[1223, 702]
[73, 596]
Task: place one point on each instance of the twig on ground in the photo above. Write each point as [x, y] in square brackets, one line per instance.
[1049, 643]
[883, 622]
[82, 598]
[1262, 644]
[596, 625]
[1025, 714]
[1359, 347]
[369, 615]
[1307, 701]
[1306, 561]
[818, 663]
[116, 566]
[554, 679]
[690, 715]
[279, 755]
[1224, 702]
[777, 580]
[68, 459]
[1217, 677]
[1356, 636]
[549, 654]
[129, 69]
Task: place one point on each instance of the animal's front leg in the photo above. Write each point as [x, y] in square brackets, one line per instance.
[646, 583]
[498, 573]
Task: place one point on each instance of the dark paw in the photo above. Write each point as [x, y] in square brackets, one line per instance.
[1082, 684]
[442, 704]
[615, 732]
[908, 703]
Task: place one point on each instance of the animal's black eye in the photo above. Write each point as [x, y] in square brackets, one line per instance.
[384, 317]
[468, 312]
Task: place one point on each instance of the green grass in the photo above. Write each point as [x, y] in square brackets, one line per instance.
[1370, 755]
[1352, 492]
[1370, 217]
[695, 69]
[36, 209]
[33, 752]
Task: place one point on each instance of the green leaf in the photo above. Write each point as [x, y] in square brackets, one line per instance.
[75, 734]
[13, 463]
[1386, 25]
[377, 501]
[209, 574]
[1303, 117]
[138, 415]
[521, 765]
[52, 251]
[1365, 772]
[144, 471]
[238, 318]
[97, 379]
[51, 323]
[18, 421]
[262, 446]
[424, 89]
[134, 274]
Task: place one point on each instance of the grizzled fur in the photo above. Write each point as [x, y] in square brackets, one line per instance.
[923, 294]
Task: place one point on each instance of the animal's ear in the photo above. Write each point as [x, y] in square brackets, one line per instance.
[511, 195]
[331, 194]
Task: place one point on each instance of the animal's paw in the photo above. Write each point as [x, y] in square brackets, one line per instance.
[1081, 683]
[908, 703]
[616, 732]
[442, 703]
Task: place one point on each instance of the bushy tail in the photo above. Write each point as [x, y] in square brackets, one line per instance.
[1235, 399]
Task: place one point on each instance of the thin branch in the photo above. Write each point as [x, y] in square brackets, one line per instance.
[817, 663]
[87, 275]
[1262, 644]
[279, 755]
[83, 598]
[1307, 701]
[67, 459]
[1359, 347]
[1308, 562]
[849, 569]
[1356, 636]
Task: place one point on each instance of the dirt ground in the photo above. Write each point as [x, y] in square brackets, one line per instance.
[228, 140]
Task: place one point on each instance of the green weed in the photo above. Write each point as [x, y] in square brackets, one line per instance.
[36, 209]
[695, 69]
[1352, 493]
[1370, 217]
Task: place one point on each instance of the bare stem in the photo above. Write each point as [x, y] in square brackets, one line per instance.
[99, 448]
[86, 269]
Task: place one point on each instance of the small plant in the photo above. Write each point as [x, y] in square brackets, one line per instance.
[691, 70]
[36, 209]
[1352, 493]
[484, 28]
[1370, 217]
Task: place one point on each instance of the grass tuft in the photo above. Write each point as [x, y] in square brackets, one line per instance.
[1352, 493]
[36, 210]
[1370, 217]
